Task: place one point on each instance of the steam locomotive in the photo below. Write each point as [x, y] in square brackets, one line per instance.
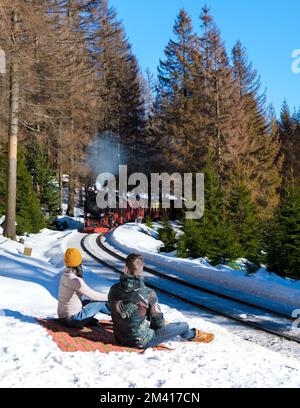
[97, 220]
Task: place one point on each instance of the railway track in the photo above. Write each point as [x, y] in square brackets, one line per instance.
[247, 314]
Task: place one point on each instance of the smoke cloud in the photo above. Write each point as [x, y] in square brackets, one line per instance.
[106, 154]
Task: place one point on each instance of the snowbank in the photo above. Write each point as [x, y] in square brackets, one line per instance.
[263, 289]
[29, 357]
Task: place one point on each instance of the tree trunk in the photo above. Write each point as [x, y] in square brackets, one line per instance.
[61, 193]
[10, 217]
[71, 197]
[219, 141]
[71, 193]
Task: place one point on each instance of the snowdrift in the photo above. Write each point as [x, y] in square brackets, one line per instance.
[262, 289]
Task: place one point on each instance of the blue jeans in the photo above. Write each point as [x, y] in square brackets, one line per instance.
[169, 332]
[88, 311]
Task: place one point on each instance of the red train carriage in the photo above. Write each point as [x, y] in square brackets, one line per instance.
[102, 221]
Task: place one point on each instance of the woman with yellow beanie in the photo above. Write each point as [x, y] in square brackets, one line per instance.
[71, 309]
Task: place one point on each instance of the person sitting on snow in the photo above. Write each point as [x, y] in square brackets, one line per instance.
[136, 314]
[71, 309]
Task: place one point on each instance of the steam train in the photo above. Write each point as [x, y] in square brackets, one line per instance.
[97, 220]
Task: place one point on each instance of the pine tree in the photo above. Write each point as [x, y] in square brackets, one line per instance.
[57, 77]
[29, 218]
[149, 222]
[179, 118]
[193, 241]
[258, 163]
[167, 235]
[220, 233]
[119, 102]
[44, 182]
[290, 143]
[218, 97]
[283, 238]
[243, 217]
[213, 236]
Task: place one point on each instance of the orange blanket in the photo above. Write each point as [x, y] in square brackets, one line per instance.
[99, 338]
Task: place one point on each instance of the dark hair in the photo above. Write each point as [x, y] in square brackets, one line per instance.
[78, 271]
[135, 264]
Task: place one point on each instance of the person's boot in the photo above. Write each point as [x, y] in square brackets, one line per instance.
[202, 337]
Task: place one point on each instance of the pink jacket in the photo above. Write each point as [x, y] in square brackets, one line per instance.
[71, 289]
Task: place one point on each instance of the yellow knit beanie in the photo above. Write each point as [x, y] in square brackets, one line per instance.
[73, 258]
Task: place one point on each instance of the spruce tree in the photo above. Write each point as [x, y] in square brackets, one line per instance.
[149, 222]
[257, 160]
[30, 218]
[218, 96]
[283, 238]
[193, 241]
[222, 240]
[179, 118]
[119, 104]
[44, 182]
[243, 217]
[213, 236]
[290, 143]
[167, 235]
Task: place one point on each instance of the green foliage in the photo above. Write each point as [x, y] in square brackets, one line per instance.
[223, 245]
[180, 122]
[283, 237]
[193, 242]
[29, 216]
[168, 236]
[220, 233]
[149, 222]
[243, 216]
[43, 178]
[214, 236]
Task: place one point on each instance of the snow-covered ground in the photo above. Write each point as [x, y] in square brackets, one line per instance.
[262, 288]
[29, 358]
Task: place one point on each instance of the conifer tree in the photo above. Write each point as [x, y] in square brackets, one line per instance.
[283, 238]
[243, 217]
[223, 245]
[290, 143]
[44, 182]
[119, 102]
[149, 222]
[167, 235]
[179, 118]
[29, 218]
[213, 236]
[258, 163]
[192, 242]
[218, 97]
[152, 157]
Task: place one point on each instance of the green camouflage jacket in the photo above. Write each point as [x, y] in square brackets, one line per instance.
[135, 311]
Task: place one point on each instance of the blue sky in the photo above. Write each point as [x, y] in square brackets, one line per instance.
[269, 29]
